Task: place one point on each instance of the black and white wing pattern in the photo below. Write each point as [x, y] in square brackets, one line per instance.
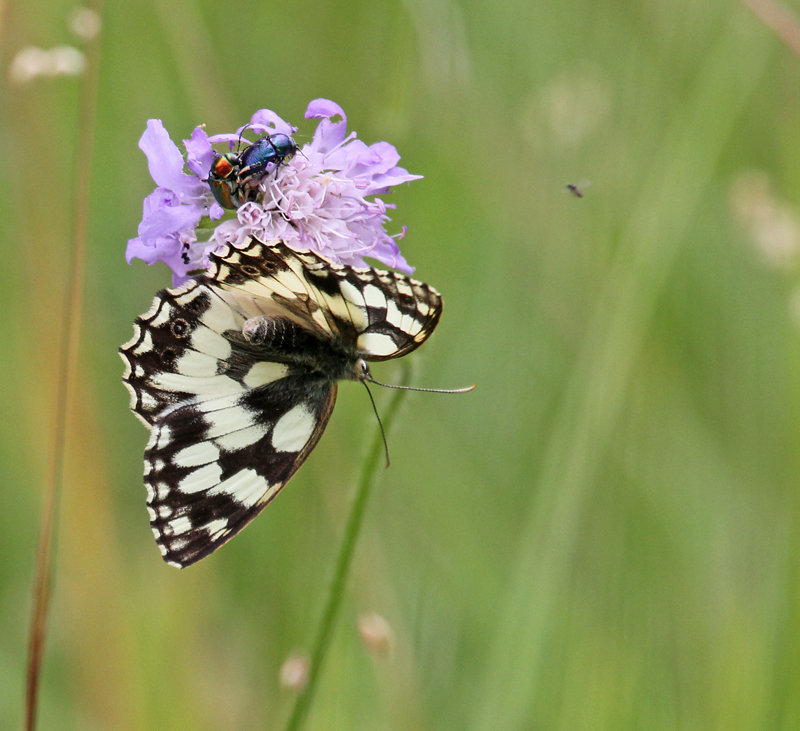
[235, 375]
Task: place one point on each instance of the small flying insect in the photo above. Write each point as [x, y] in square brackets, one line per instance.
[576, 188]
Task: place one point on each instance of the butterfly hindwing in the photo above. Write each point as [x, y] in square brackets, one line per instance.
[234, 414]
[212, 466]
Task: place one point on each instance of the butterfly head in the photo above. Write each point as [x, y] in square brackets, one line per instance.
[362, 371]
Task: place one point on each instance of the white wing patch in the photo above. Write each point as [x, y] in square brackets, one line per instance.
[247, 487]
[204, 386]
[265, 372]
[377, 344]
[201, 479]
[196, 455]
[293, 429]
[243, 437]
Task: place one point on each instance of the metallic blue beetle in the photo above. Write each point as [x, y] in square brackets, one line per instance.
[234, 178]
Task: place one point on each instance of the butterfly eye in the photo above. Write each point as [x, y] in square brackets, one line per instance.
[362, 370]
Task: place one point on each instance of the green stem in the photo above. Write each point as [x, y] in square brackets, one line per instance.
[45, 562]
[343, 563]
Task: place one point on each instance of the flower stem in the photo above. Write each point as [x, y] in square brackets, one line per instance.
[343, 563]
[45, 561]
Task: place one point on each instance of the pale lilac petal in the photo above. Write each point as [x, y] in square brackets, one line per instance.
[180, 269]
[227, 232]
[159, 198]
[339, 156]
[233, 140]
[250, 214]
[199, 154]
[385, 155]
[381, 184]
[216, 211]
[328, 136]
[265, 121]
[164, 160]
[137, 249]
[153, 250]
[169, 219]
[324, 108]
[188, 256]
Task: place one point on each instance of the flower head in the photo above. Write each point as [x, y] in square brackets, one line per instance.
[324, 198]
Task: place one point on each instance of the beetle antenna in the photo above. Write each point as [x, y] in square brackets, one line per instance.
[241, 132]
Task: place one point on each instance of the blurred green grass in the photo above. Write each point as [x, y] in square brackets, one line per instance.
[603, 535]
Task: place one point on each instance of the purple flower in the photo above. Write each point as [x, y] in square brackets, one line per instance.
[173, 210]
[324, 198]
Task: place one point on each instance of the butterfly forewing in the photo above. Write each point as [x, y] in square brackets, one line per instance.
[176, 350]
[273, 279]
[381, 314]
[232, 419]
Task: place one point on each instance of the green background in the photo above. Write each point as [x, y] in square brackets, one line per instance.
[603, 535]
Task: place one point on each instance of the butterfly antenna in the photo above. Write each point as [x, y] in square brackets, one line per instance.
[380, 423]
[466, 389]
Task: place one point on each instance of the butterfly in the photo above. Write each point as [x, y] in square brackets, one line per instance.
[235, 373]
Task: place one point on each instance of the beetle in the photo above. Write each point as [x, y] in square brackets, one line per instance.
[234, 177]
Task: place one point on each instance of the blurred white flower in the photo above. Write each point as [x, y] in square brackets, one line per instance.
[32, 62]
[66, 61]
[376, 633]
[294, 672]
[794, 306]
[29, 63]
[770, 223]
[568, 110]
[84, 23]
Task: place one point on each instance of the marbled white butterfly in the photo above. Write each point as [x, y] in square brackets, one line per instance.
[235, 374]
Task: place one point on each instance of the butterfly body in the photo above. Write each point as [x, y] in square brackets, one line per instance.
[235, 373]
